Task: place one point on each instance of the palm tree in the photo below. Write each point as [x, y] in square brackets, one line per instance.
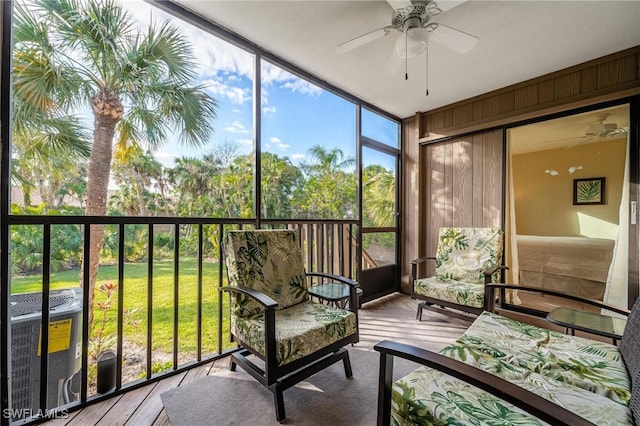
[328, 161]
[379, 195]
[138, 171]
[330, 190]
[138, 85]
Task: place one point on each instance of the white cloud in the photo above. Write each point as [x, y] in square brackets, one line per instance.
[272, 74]
[236, 95]
[275, 141]
[236, 127]
[302, 86]
[269, 110]
[297, 156]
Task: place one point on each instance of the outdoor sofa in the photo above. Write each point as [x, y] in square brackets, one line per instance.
[503, 371]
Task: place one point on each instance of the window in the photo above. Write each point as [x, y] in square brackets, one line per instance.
[308, 149]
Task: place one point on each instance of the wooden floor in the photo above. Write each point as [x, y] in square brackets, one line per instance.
[389, 318]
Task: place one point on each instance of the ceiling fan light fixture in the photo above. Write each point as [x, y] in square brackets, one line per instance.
[413, 43]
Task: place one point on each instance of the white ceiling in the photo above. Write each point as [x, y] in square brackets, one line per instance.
[518, 40]
[571, 131]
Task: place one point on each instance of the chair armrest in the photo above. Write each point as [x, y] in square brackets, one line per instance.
[491, 288]
[261, 298]
[422, 259]
[537, 406]
[414, 266]
[333, 277]
[491, 270]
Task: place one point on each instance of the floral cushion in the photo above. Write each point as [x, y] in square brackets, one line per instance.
[463, 254]
[430, 397]
[269, 261]
[300, 330]
[496, 344]
[584, 376]
[450, 290]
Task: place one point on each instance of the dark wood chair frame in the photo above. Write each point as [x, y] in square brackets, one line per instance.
[278, 378]
[520, 397]
[537, 406]
[438, 305]
[494, 298]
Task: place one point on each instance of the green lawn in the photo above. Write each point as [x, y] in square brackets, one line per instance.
[135, 304]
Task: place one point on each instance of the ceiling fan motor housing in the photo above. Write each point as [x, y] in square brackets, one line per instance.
[417, 15]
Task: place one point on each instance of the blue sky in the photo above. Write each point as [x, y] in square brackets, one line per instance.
[296, 114]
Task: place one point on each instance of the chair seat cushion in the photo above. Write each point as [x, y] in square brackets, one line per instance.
[428, 396]
[301, 329]
[501, 346]
[468, 294]
[584, 376]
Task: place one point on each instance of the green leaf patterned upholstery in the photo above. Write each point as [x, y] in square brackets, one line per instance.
[584, 376]
[301, 329]
[270, 261]
[463, 255]
[469, 294]
[273, 319]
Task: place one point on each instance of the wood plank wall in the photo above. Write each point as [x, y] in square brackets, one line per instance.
[462, 182]
[606, 78]
[447, 187]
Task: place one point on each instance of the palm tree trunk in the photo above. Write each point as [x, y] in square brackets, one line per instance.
[107, 109]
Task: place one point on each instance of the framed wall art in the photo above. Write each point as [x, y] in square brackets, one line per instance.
[588, 191]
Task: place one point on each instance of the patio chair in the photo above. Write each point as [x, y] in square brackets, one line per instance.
[466, 259]
[273, 318]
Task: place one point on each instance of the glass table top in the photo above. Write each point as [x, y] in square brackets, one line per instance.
[331, 291]
[590, 322]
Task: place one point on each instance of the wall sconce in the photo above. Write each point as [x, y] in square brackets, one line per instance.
[552, 172]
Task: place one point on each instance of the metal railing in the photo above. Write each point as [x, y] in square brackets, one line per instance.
[328, 246]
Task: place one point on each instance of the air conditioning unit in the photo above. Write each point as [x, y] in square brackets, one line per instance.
[65, 349]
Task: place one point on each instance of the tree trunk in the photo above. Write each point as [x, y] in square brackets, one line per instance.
[107, 111]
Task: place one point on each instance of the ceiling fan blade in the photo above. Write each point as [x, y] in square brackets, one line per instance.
[399, 4]
[456, 40]
[363, 39]
[445, 5]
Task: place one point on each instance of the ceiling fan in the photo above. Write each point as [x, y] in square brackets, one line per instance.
[412, 19]
[600, 129]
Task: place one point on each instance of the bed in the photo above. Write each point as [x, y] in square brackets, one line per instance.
[574, 265]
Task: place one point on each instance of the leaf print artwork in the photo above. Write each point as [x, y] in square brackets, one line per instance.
[588, 191]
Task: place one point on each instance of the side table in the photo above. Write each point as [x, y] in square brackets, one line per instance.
[590, 322]
[335, 294]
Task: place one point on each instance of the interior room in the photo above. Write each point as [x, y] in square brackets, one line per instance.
[558, 242]
[309, 212]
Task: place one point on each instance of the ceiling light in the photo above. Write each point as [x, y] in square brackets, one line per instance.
[412, 43]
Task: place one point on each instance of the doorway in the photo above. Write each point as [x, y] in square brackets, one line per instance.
[380, 168]
[567, 210]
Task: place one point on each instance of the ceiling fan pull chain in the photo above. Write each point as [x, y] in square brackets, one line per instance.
[406, 55]
[426, 71]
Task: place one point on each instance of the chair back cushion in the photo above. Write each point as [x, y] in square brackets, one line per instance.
[269, 261]
[464, 254]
